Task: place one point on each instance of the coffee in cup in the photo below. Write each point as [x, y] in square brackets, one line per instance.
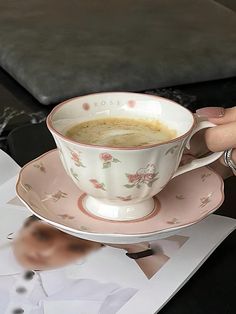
[121, 132]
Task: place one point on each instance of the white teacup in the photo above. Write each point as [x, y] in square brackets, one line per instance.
[120, 182]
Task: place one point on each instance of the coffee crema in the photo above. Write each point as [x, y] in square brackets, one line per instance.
[121, 132]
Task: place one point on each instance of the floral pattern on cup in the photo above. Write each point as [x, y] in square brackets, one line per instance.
[131, 103]
[147, 175]
[125, 198]
[55, 197]
[171, 150]
[74, 174]
[107, 159]
[75, 156]
[40, 166]
[97, 185]
[86, 106]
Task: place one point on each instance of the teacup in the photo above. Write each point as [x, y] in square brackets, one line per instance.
[120, 182]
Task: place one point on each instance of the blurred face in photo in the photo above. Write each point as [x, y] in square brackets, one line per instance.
[39, 246]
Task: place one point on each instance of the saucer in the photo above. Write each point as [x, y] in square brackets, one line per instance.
[50, 194]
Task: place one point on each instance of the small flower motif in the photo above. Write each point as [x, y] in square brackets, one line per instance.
[204, 176]
[131, 103]
[40, 166]
[27, 187]
[75, 156]
[97, 185]
[205, 200]
[65, 216]
[171, 150]
[173, 221]
[180, 197]
[86, 106]
[125, 198]
[74, 174]
[55, 197]
[142, 176]
[107, 159]
[83, 228]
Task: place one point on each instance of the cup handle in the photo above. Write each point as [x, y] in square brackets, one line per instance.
[199, 162]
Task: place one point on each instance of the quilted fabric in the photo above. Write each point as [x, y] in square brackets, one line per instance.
[60, 49]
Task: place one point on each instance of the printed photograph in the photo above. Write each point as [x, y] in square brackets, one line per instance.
[41, 265]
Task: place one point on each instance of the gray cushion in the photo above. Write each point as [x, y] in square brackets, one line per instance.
[231, 4]
[60, 49]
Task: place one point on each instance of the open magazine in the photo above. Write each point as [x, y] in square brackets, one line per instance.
[43, 270]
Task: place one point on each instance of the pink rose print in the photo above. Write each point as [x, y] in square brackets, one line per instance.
[75, 156]
[107, 159]
[147, 175]
[97, 185]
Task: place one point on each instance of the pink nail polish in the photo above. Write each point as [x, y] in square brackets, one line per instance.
[211, 112]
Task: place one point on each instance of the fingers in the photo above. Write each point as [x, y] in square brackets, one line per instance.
[211, 112]
[229, 116]
[221, 137]
[218, 115]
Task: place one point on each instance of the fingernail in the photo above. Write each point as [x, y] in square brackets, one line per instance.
[211, 112]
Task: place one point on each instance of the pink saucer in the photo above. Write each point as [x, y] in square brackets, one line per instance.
[50, 194]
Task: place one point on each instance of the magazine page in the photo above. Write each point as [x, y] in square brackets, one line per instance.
[46, 271]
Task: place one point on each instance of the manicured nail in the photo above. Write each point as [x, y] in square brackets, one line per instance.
[211, 112]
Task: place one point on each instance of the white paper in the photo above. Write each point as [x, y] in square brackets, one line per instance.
[204, 238]
[8, 167]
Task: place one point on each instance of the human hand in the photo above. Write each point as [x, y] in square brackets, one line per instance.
[223, 136]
